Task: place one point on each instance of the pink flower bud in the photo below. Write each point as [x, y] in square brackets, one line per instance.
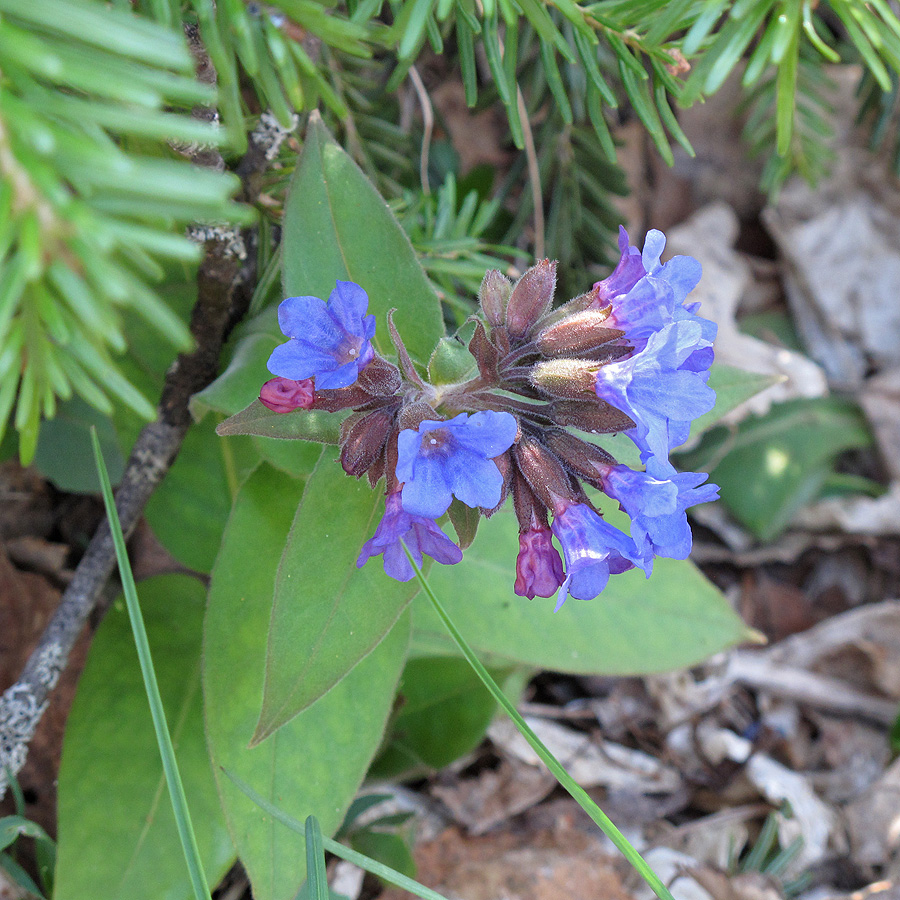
[493, 295]
[577, 334]
[539, 568]
[284, 395]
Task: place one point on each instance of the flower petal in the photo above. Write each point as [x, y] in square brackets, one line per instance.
[427, 492]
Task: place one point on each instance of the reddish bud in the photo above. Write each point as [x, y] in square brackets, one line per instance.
[379, 378]
[544, 473]
[364, 439]
[530, 298]
[585, 460]
[504, 464]
[486, 354]
[577, 334]
[413, 414]
[494, 295]
[336, 399]
[568, 379]
[594, 415]
[284, 395]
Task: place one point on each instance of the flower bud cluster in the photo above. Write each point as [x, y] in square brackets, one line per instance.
[627, 356]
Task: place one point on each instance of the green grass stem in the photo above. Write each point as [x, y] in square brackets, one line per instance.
[604, 823]
[166, 750]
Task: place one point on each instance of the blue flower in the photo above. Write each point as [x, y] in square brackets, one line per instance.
[593, 550]
[657, 507]
[454, 458]
[646, 295]
[328, 341]
[419, 533]
[658, 392]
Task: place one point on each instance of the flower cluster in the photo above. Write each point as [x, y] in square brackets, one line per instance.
[630, 355]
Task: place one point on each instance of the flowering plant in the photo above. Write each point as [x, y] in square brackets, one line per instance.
[629, 355]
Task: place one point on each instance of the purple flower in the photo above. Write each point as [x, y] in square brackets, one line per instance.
[282, 395]
[660, 395]
[455, 458]
[328, 341]
[593, 549]
[657, 507]
[539, 569]
[419, 533]
[647, 295]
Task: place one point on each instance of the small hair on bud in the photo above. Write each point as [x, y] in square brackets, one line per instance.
[364, 440]
[530, 299]
[544, 473]
[578, 334]
[567, 379]
[494, 295]
[413, 414]
[583, 459]
[380, 378]
[594, 416]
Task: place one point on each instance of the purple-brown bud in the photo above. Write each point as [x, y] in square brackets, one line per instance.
[504, 464]
[363, 440]
[284, 395]
[494, 295]
[585, 460]
[544, 473]
[413, 414]
[577, 334]
[486, 354]
[336, 399]
[568, 379]
[531, 298]
[595, 416]
[379, 378]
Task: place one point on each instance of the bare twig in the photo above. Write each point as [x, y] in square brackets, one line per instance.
[223, 296]
[534, 176]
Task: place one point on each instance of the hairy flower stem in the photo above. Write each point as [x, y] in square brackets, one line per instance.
[603, 822]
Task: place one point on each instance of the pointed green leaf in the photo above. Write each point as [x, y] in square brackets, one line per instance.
[302, 424]
[337, 226]
[117, 833]
[674, 619]
[327, 614]
[298, 768]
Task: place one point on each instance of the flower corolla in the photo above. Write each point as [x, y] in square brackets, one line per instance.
[330, 342]
[421, 535]
[441, 460]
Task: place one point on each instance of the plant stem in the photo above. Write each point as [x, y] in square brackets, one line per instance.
[550, 761]
[157, 712]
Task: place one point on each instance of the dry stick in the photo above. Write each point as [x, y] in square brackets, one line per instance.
[427, 125]
[534, 176]
[224, 288]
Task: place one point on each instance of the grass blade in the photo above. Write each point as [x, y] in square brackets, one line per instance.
[166, 750]
[603, 822]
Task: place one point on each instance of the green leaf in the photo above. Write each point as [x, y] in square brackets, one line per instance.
[451, 362]
[117, 833]
[337, 226]
[444, 713]
[328, 614]
[772, 465]
[316, 879]
[674, 619]
[390, 849]
[189, 509]
[64, 452]
[465, 521]
[302, 424]
[732, 386]
[14, 827]
[298, 768]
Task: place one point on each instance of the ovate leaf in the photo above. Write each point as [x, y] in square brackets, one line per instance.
[314, 764]
[674, 619]
[117, 833]
[337, 226]
[328, 614]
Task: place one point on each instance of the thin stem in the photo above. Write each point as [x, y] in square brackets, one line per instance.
[550, 761]
[157, 712]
